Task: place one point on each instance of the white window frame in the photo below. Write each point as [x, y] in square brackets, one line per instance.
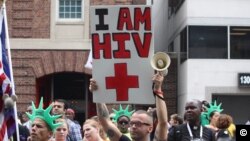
[69, 20]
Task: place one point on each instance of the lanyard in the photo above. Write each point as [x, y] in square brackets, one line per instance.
[191, 134]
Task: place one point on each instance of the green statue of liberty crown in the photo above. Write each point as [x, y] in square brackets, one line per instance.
[44, 115]
[213, 107]
[122, 112]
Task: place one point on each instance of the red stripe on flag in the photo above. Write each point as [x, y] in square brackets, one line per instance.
[2, 78]
[3, 131]
[1, 103]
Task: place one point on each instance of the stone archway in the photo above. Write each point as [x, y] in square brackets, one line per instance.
[28, 65]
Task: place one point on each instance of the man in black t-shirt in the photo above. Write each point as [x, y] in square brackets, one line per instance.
[124, 138]
[192, 130]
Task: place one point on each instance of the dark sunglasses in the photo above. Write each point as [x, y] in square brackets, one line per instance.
[123, 122]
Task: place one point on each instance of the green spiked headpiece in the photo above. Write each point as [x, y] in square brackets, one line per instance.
[44, 115]
[122, 112]
[213, 107]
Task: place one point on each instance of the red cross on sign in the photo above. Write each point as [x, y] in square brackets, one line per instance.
[122, 82]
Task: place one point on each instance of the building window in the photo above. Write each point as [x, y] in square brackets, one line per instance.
[71, 9]
[171, 47]
[174, 6]
[207, 42]
[183, 45]
[240, 42]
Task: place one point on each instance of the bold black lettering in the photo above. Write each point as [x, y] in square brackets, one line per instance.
[101, 13]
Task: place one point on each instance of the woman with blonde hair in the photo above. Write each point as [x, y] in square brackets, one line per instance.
[91, 130]
[61, 132]
[102, 133]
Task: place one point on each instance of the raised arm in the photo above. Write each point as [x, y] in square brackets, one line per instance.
[103, 114]
[161, 131]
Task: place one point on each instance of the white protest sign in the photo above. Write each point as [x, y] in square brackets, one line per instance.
[122, 46]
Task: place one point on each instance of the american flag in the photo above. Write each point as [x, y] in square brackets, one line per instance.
[7, 116]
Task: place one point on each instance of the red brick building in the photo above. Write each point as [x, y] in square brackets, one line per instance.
[49, 49]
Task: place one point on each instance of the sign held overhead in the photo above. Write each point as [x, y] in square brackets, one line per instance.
[122, 46]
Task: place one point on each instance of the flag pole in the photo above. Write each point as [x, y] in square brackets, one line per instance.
[10, 66]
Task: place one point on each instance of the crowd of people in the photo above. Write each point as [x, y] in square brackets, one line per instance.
[201, 121]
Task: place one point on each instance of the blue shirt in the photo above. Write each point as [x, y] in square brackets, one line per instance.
[74, 131]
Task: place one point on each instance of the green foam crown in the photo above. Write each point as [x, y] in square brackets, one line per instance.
[122, 112]
[213, 107]
[44, 115]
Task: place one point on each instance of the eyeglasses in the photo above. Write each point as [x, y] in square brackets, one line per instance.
[123, 122]
[138, 123]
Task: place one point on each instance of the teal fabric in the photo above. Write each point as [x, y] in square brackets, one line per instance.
[204, 119]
